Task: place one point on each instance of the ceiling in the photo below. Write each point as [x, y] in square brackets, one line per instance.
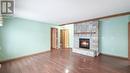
[66, 11]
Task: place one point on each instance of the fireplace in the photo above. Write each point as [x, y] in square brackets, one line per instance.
[84, 43]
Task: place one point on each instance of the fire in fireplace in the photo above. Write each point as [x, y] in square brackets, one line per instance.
[84, 43]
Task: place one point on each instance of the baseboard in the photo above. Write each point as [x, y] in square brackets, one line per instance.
[4, 61]
[126, 58]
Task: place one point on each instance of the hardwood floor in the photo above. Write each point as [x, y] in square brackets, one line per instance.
[64, 61]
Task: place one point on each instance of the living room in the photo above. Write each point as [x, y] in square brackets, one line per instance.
[65, 36]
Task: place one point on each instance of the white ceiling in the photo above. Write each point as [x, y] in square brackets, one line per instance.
[65, 11]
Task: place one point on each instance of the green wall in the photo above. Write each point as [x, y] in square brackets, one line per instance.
[129, 18]
[113, 36]
[20, 37]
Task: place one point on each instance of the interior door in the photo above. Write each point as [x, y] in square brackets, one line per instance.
[129, 42]
[64, 38]
[54, 38]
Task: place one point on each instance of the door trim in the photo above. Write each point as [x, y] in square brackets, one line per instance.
[56, 38]
[129, 42]
[64, 38]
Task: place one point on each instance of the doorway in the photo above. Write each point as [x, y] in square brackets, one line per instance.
[64, 38]
[54, 38]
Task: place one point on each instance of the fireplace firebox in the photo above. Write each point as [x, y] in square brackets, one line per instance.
[84, 43]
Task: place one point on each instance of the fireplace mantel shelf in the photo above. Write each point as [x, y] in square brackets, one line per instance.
[85, 33]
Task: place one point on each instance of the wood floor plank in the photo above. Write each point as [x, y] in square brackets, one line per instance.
[64, 61]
